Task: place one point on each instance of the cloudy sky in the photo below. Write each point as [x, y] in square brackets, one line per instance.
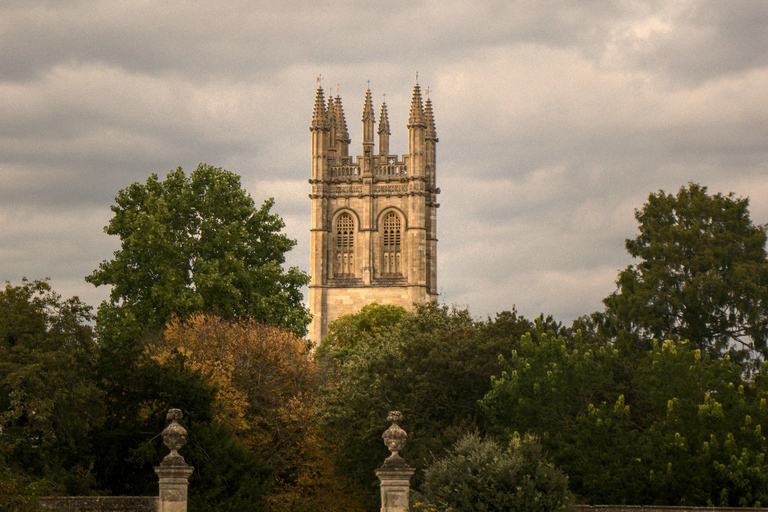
[556, 119]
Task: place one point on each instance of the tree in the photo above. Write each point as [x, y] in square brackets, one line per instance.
[480, 475]
[266, 383]
[434, 365]
[197, 244]
[347, 332]
[703, 275]
[50, 404]
[672, 426]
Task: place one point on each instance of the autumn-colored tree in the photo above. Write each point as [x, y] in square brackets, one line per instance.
[266, 380]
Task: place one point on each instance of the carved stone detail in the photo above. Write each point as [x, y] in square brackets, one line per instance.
[394, 436]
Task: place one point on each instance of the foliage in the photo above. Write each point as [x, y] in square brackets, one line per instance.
[227, 473]
[265, 383]
[348, 331]
[703, 275]
[480, 475]
[434, 366]
[197, 244]
[49, 402]
[666, 427]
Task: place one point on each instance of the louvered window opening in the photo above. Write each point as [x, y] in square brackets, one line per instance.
[391, 256]
[345, 244]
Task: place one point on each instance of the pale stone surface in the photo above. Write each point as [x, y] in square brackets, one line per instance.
[368, 189]
[395, 475]
[173, 472]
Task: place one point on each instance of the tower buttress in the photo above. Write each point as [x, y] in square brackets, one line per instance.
[342, 135]
[416, 128]
[319, 129]
[368, 123]
[384, 132]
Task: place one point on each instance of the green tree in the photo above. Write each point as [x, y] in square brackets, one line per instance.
[668, 426]
[703, 275]
[433, 365]
[197, 244]
[347, 332]
[480, 475]
[50, 404]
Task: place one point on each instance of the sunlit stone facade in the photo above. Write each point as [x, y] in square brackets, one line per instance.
[373, 217]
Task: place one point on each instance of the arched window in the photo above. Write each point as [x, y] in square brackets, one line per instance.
[391, 254]
[345, 244]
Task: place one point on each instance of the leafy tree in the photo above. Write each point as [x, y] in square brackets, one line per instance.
[266, 385]
[703, 275]
[480, 475]
[434, 365]
[347, 332]
[197, 244]
[669, 426]
[49, 402]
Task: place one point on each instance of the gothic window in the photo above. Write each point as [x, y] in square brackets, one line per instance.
[345, 244]
[391, 254]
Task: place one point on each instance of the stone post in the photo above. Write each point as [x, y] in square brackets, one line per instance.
[394, 474]
[173, 471]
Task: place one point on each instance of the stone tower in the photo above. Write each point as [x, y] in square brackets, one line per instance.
[373, 217]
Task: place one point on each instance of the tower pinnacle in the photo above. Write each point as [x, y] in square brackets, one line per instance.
[417, 109]
[319, 115]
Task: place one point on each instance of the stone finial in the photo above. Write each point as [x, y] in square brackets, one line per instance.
[174, 436]
[394, 437]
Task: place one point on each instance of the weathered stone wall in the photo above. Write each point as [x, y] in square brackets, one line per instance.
[661, 508]
[100, 504]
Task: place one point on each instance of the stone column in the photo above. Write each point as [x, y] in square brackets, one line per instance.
[173, 471]
[394, 474]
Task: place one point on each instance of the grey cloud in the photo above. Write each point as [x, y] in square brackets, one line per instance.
[556, 119]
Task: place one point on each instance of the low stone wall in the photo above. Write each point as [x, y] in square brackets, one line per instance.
[661, 508]
[100, 504]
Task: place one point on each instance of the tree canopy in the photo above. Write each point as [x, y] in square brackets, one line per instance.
[50, 405]
[703, 275]
[481, 475]
[667, 426]
[197, 243]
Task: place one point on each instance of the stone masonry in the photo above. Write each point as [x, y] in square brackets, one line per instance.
[373, 234]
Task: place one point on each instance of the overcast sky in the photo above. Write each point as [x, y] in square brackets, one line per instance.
[556, 120]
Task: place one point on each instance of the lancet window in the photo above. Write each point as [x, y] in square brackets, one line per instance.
[391, 254]
[345, 244]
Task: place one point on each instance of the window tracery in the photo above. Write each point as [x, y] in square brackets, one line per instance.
[345, 244]
[391, 256]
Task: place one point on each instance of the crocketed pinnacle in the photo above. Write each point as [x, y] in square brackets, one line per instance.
[341, 122]
[383, 120]
[319, 115]
[417, 109]
[430, 118]
[368, 108]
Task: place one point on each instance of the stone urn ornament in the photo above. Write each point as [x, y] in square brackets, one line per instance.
[394, 437]
[174, 437]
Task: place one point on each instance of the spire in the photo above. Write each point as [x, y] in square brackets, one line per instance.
[368, 120]
[368, 107]
[341, 123]
[383, 130]
[430, 118]
[319, 115]
[331, 111]
[384, 120]
[417, 109]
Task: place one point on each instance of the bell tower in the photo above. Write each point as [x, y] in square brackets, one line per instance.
[373, 232]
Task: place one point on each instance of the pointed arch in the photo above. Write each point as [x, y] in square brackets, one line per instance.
[392, 227]
[344, 246]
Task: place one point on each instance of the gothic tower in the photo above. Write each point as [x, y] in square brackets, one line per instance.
[373, 217]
